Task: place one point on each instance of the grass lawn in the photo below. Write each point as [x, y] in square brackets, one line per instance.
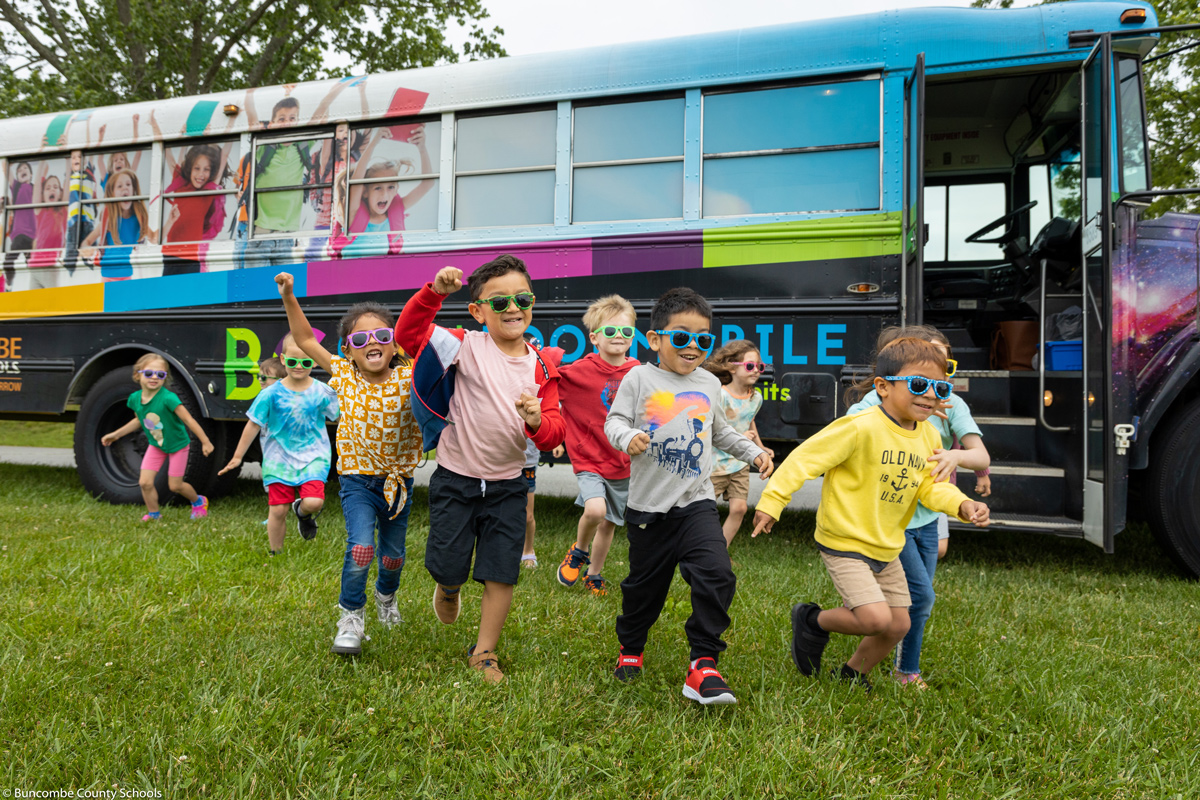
[37, 434]
[177, 657]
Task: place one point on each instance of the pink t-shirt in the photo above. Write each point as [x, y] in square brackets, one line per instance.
[487, 439]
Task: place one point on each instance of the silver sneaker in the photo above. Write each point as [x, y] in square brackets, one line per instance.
[351, 631]
[385, 606]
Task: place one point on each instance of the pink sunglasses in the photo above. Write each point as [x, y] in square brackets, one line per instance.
[752, 366]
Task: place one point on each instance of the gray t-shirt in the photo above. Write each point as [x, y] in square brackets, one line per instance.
[681, 413]
[532, 455]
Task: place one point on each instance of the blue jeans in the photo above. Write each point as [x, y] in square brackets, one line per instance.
[919, 559]
[364, 507]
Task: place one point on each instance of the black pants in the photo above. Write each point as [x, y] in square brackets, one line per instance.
[690, 537]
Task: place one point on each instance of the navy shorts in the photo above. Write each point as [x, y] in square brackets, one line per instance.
[531, 478]
[468, 516]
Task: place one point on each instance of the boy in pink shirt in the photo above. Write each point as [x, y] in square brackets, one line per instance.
[587, 388]
[478, 397]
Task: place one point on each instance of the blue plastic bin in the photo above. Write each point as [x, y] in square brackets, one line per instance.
[1066, 355]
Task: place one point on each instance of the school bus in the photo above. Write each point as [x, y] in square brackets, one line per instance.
[983, 171]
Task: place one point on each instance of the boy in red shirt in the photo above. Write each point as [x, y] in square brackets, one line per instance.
[586, 389]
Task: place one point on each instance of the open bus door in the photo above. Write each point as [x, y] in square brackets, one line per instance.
[913, 238]
[1099, 451]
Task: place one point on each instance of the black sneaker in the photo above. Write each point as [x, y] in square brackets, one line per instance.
[628, 667]
[307, 524]
[705, 685]
[808, 640]
[852, 676]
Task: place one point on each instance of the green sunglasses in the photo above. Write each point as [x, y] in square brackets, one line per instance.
[303, 363]
[613, 331]
[499, 304]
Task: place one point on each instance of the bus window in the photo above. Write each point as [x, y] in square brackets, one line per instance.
[509, 156]
[628, 161]
[1134, 166]
[37, 205]
[116, 204]
[286, 179]
[796, 149]
[954, 213]
[394, 177]
[200, 195]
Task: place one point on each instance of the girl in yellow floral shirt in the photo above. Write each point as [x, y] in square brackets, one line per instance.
[378, 445]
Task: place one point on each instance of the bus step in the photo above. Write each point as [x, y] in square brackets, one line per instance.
[986, 391]
[1019, 486]
[1009, 438]
[1059, 526]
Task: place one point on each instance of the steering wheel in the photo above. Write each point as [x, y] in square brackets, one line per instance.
[991, 226]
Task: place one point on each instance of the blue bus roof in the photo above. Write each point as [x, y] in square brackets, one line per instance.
[883, 41]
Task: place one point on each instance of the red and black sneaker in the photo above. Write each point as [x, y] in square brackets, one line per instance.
[705, 685]
[628, 667]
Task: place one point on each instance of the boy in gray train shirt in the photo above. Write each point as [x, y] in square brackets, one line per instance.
[665, 417]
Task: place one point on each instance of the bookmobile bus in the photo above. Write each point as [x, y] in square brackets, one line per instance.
[983, 171]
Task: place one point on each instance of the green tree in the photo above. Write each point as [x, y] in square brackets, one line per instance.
[65, 54]
[1172, 103]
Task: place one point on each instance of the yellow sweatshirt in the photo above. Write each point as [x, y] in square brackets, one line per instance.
[875, 472]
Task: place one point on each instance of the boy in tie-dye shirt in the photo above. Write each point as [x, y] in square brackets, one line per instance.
[663, 417]
[291, 414]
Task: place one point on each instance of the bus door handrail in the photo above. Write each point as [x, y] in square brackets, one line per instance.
[1042, 359]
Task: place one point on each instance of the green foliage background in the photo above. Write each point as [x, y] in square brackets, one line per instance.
[67, 54]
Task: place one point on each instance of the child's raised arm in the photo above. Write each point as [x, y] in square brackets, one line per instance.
[172, 164]
[248, 433]
[301, 330]
[360, 166]
[43, 170]
[422, 188]
[206, 446]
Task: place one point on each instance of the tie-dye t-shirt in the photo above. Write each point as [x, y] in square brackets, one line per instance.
[739, 412]
[677, 413]
[377, 434]
[295, 443]
[162, 427]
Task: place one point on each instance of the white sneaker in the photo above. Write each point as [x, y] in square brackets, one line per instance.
[351, 630]
[385, 606]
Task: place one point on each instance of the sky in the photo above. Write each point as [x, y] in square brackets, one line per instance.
[538, 26]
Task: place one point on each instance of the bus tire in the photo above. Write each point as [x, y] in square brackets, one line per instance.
[1173, 484]
[111, 473]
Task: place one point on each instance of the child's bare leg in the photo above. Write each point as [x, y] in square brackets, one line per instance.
[530, 526]
[181, 487]
[737, 512]
[943, 545]
[310, 506]
[600, 545]
[873, 649]
[593, 515]
[276, 526]
[493, 611]
[149, 493]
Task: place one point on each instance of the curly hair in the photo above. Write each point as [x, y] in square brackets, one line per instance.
[719, 362]
[364, 309]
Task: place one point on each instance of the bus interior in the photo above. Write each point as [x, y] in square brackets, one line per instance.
[1002, 208]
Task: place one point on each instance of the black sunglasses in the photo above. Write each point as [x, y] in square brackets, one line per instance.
[499, 303]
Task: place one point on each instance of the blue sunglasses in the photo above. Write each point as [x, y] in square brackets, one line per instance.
[682, 339]
[919, 385]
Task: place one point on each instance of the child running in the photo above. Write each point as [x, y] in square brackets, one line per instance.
[876, 467]
[663, 416]
[291, 416]
[166, 423]
[927, 530]
[587, 389]
[737, 365]
[479, 397]
[378, 447]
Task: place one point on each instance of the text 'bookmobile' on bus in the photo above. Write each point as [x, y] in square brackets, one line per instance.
[982, 171]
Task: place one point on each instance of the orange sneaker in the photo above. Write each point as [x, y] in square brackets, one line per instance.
[572, 565]
[596, 584]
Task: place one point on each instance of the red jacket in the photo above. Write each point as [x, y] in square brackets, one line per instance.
[587, 388]
[433, 349]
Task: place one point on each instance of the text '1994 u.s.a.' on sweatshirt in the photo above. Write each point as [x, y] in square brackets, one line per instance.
[682, 416]
[875, 472]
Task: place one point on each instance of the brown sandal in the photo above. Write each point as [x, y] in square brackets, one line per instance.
[487, 663]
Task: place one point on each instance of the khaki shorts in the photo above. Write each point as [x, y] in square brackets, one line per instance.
[732, 487]
[858, 585]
